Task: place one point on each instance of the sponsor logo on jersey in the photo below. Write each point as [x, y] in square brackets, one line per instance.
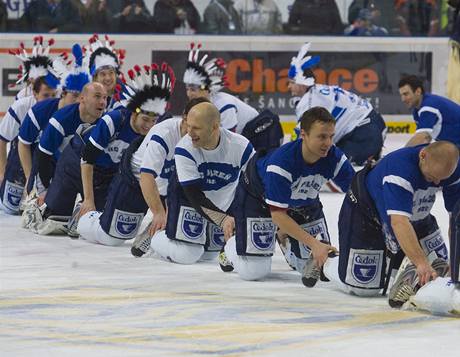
[126, 223]
[263, 234]
[217, 236]
[436, 244]
[192, 224]
[13, 194]
[365, 266]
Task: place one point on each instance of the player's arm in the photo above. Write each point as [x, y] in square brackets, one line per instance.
[344, 172]
[3, 145]
[25, 156]
[287, 225]
[422, 137]
[407, 238]
[88, 159]
[152, 198]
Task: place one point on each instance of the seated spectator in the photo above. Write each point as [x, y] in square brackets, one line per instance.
[314, 17]
[98, 17]
[52, 16]
[220, 17]
[175, 16]
[418, 17]
[3, 17]
[135, 17]
[364, 26]
[383, 13]
[259, 17]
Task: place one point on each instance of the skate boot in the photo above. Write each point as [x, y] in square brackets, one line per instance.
[73, 222]
[311, 272]
[225, 264]
[407, 281]
[141, 244]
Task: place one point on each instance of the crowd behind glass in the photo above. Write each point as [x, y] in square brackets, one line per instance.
[233, 17]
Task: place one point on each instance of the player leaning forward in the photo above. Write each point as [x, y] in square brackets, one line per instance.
[281, 189]
[386, 216]
[209, 160]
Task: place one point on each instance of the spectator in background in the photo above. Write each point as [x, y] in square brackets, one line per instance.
[418, 17]
[220, 17]
[98, 17]
[3, 17]
[135, 17]
[52, 16]
[383, 13]
[175, 16]
[364, 26]
[314, 17]
[259, 17]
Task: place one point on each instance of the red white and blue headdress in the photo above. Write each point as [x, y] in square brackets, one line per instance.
[208, 75]
[149, 89]
[101, 54]
[73, 77]
[299, 65]
[37, 63]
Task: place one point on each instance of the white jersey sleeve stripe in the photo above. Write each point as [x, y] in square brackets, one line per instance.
[339, 165]
[44, 150]
[24, 141]
[33, 118]
[276, 204]
[399, 181]
[424, 130]
[109, 122]
[400, 213]
[279, 171]
[430, 110]
[96, 144]
[57, 126]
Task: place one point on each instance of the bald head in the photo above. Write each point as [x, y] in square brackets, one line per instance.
[439, 160]
[203, 123]
[92, 86]
[207, 112]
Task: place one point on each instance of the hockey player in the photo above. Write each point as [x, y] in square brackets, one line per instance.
[125, 206]
[65, 123]
[208, 162]
[104, 64]
[205, 78]
[281, 189]
[442, 296]
[386, 214]
[359, 130]
[72, 81]
[436, 117]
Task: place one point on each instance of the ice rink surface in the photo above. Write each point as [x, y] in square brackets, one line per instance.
[63, 297]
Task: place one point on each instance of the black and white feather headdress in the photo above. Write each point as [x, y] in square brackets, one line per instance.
[149, 88]
[208, 75]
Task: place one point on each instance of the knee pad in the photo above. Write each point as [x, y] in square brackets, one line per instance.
[253, 268]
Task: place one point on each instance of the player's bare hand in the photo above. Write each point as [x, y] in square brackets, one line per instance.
[320, 252]
[425, 273]
[158, 222]
[86, 206]
[228, 226]
[41, 198]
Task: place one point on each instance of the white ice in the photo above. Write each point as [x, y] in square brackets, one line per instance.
[63, 297]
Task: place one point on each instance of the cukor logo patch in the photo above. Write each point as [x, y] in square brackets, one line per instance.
[365, 266]
[192, 224]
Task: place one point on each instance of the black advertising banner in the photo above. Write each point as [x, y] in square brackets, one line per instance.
[260, 78]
